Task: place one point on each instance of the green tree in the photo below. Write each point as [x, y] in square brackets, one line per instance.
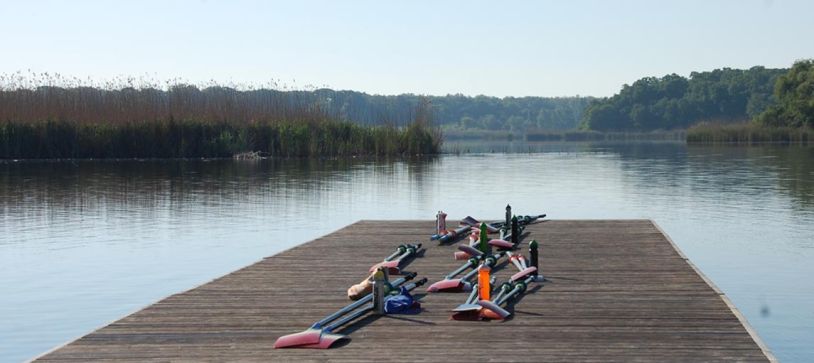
[795, 95]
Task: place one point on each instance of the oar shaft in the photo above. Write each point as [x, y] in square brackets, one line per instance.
[394, 255]
[360, 312]
[365, 299]
[449, 236]
[472, 295]
[515, 291]
[463, 267]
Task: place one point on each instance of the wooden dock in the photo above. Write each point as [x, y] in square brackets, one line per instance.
[617, 290]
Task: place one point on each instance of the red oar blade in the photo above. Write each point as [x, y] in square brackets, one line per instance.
[523, 274]
[461, 255]
[492, 311]
[499, 243]
[391, 266]
[326, 341]
[453, 285]
[307, 337]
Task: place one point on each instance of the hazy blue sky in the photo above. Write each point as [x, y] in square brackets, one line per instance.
[516, 48]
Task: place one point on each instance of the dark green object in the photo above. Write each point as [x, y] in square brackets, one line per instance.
[508, 214]
[515, 231]
[533, 256]
[484, 240]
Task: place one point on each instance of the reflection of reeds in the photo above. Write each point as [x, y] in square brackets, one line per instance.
[38, 120]
[584, 135]
[747, 133]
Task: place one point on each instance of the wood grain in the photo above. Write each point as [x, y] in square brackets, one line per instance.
[617, 290]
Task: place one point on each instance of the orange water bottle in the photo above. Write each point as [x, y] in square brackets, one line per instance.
[484, 287]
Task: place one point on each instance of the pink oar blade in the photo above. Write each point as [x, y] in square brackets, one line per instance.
[522, 274]
[461, 255]
[326, 341]
[446, 286]
[472, 251]
[307, 337]
[499, 243]
[492, 311]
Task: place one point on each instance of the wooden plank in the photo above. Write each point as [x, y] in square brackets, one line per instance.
[616, 291]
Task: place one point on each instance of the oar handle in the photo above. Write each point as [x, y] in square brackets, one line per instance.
[518, 288]
[365, 299]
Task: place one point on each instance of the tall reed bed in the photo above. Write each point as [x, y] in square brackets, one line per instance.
[192, 139]
[747, 133]
[123, 120]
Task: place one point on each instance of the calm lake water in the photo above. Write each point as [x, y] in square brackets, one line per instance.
[85, 243]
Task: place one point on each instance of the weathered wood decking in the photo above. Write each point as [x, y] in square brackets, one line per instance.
[617, 291]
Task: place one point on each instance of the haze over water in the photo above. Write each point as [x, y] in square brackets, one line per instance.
[84, 243]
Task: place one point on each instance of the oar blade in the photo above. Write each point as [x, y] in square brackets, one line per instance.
[461, 255]
[452, 285]
[499, 243]
[472, 251]
[391, 266]
[492, 311]
[299, 340]
[469, 221]
[523, 274]
[326, 341]
[467, 307]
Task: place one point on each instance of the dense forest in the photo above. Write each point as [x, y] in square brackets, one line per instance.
[675, 102]
[794, 92]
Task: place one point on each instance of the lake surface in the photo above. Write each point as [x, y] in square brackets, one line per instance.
[85, 243]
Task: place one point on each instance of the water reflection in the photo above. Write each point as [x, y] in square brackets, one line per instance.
[83, 243]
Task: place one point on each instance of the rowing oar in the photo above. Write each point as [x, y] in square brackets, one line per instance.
[451, 284]
[320, 333]
[503, 245]
[393, 261]
[496, 226]
[486, 308]
[492, 310]
[326, 337]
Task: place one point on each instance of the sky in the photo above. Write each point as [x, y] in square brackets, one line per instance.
[495, 48]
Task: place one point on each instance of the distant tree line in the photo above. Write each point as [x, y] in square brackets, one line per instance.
[457, 111]
[676, 102]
